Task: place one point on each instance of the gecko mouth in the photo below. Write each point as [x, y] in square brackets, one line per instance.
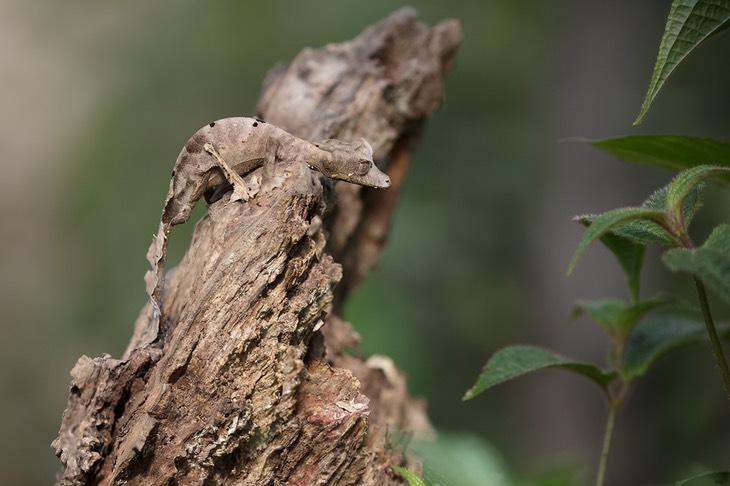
[376, 180]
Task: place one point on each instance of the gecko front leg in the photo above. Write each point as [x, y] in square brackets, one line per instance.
[240, 191]
[176, 211]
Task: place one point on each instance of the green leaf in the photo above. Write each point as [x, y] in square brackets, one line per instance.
[672, 206]
[719, 478]
[605, 312]
[710, 263]
[659, 200]
[692, 204]
[685, 182]
[461, 459]
[630, 257]
[433, 477]
[639, 231]
[673, 152]
[412, 479]
[607, 221]
[632, 314]
[689, 23]
[615, 316]
[629, 254]
[557, 472]
[659, 336]
[514, 361]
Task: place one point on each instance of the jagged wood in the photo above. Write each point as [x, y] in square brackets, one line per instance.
[244, 384]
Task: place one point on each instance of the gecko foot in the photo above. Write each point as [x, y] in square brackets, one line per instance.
[270, 183]
[240, 193]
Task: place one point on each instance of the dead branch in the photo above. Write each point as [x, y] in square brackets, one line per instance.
[247, 383]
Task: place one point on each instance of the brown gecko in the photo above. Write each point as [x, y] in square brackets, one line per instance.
[220, 153]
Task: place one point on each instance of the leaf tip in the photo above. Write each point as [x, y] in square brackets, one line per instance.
[573, 263]
[644, 107]
[573, 140]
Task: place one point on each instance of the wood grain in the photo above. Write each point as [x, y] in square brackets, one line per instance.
[248, 382]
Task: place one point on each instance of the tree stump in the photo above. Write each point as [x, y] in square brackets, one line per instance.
[249, 383]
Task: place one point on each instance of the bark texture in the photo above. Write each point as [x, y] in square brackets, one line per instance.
[248, 382]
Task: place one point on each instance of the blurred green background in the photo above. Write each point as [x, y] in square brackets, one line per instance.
[98, 98]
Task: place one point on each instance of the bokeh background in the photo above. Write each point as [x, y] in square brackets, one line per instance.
[97, 98]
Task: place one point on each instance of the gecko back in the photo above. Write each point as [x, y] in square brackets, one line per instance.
[242, 142]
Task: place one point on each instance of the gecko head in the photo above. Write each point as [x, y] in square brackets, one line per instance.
[352, 162]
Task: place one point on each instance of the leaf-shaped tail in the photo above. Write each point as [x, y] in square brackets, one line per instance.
[155, 277]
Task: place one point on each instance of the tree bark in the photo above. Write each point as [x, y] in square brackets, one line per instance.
[249, 383]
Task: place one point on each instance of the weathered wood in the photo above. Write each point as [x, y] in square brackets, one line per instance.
[247, 383]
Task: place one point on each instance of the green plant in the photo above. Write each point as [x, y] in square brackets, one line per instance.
[638, 333]
[412, 478]
[457, 460]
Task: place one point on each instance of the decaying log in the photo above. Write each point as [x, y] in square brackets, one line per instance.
[249, 383]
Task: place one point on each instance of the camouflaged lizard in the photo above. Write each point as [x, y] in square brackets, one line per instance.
[217, 155]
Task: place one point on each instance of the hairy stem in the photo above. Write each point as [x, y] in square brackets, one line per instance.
[608, 435]
[712, 332]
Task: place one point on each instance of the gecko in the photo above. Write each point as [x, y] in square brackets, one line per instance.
[216, 156]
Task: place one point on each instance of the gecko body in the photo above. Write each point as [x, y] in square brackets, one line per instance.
[218, 154]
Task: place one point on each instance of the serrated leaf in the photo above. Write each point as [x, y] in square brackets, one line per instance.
[718, 478]
[689, 23]
[659, 336]
[685, 182]
[673, 152]
[710, 262]
[609, 220]
[514, 361]
[413, 479]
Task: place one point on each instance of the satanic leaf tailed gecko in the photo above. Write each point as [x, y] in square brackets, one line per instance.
[220, 153]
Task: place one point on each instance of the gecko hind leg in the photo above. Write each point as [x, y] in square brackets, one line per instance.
[240, 191]
[269, 179]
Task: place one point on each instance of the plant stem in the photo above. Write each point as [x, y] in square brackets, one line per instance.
[608, 435]
[712, 332]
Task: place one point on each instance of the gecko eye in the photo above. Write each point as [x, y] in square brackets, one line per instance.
[363, 167]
